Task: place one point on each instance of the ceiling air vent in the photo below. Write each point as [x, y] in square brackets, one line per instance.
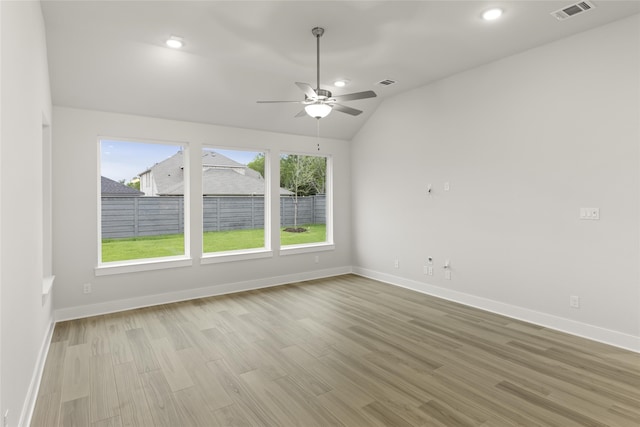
[386, 82]
[572, 10]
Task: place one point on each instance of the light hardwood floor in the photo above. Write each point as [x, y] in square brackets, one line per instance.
[340, 351]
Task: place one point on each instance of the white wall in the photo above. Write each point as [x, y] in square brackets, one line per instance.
[75, 249]
[26, 316]
[524, 143]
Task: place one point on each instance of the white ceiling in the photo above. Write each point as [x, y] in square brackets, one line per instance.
[110, 55]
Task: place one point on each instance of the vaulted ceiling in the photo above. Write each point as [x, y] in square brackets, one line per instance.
[111, 56]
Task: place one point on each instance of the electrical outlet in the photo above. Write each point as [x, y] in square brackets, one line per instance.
[428, 270]
[396, 263]
[447, 274]
[86, 288]
[574, 301]
[590, 213]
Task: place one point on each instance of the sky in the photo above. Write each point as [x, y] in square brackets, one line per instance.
[125, 160]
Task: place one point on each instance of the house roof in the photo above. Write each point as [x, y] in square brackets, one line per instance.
[214, 159]
[227, 182]
[111, 188]
[167, 173]
[221, 176]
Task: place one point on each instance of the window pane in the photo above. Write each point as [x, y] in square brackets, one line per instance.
[303, 196]
[142, 200]
[233, 188]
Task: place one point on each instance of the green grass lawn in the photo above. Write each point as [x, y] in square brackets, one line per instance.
[213, 241]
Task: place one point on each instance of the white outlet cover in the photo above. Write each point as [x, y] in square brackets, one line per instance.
[590, 213]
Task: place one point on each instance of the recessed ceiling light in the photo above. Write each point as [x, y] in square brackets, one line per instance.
[175, 42]
[492, 14]
[341, 83]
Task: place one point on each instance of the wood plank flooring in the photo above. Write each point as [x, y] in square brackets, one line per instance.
[341, 351]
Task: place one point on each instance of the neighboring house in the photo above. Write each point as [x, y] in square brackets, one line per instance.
[221, 176]
[111, 188]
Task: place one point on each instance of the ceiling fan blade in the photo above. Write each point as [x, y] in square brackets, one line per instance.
[301, 114]
[307, 89]
[354, 96]
[345, 109]
[278, 102]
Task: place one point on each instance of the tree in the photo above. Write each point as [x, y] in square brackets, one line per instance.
[300, 174]
[134, 183]
[257, 164]
[312, 182]
[304, 176]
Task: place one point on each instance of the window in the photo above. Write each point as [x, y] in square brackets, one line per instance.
[304, 216]
[233, 203]
[142, 201]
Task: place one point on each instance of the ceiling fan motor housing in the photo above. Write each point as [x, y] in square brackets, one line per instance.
[322, 94]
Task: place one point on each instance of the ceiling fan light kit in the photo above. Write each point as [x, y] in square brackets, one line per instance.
[318, 111]
[318, 103]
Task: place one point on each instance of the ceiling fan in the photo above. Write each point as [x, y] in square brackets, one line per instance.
[319, 103]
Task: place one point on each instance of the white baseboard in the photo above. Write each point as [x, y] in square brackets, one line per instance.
[151, 300]
[595, 333]
[34, 385]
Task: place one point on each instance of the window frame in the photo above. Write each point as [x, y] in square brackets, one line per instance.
[241, 254]
[146, 264]
[328, 244]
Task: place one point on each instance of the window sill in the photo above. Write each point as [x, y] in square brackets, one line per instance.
[134, 266]
[241, 255]
[47, 284]
[307, 248]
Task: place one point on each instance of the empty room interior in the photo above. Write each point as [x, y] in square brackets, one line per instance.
[350, 213]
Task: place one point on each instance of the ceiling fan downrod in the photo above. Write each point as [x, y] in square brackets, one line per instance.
[317, 32]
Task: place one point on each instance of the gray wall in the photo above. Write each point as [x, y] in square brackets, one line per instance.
[75, 216]
[524, 142]
[26, 314]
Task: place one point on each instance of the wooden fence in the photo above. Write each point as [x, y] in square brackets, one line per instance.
[152, 216]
